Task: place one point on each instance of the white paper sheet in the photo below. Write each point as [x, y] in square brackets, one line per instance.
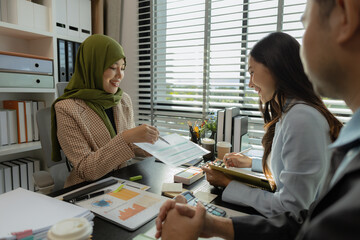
[179, 151]
[21, 210]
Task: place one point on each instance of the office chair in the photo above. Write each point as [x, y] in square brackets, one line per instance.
[61, 87]
[54, 177]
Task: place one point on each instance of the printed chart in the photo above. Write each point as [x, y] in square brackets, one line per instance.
[130, 207]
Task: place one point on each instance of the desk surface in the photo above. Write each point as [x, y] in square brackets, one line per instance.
[154, 174]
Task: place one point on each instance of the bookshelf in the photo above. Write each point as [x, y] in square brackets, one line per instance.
[32, 40]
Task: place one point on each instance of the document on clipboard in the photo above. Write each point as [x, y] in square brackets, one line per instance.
[253, 179]
[176, 152]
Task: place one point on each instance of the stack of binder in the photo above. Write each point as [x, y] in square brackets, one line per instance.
[18, 173]
[19, 70]
[231, 127]
[67, 51]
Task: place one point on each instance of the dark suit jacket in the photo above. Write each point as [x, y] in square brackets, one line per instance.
[336, 215]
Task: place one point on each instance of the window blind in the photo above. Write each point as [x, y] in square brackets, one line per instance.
[193, 58]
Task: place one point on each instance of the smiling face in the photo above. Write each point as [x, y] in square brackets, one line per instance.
[113, 76]
[261, 80]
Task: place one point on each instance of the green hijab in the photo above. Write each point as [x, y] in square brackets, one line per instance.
[96, 54]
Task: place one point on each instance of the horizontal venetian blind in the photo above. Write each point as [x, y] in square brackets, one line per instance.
[193, 58]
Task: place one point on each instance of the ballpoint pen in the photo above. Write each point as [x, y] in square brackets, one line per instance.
[163, 139]
[246, 150]
[91, 195]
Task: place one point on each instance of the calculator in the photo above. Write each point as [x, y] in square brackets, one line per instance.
[210, 208]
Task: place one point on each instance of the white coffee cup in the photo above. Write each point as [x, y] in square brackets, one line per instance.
[71, 229]
[222, 149]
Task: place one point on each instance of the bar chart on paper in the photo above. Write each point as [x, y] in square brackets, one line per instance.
[130, 207]
[124, 194]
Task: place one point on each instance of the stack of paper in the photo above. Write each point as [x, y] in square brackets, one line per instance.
[24, 211]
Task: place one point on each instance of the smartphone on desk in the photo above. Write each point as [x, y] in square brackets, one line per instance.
[210, 208]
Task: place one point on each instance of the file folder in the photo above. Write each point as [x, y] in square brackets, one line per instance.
[30, 171]
[69, 59]
[85, 19]
[23, 174]
[12, 126]
[3, 128]
[28, 121]
[73, 10]
[240, 129]
[21, 80]
[62, 60]
[220, 125]
[2, 179]
[76, 48]
[61, 17]
[6, 180]
[15, 174]
[18, 62]
[230, 113]
[19, 106]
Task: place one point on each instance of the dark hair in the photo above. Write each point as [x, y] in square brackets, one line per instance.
[279, 52]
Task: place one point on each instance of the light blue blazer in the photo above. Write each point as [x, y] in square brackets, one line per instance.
[299, 161]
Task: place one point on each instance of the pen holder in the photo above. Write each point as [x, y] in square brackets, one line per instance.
[194, 136]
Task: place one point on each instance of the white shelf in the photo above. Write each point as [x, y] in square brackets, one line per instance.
[31, 40]
[19, 148]
[69, 38]
[27, 90]
[15, 30]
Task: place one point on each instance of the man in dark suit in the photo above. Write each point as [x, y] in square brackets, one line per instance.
[331, 58]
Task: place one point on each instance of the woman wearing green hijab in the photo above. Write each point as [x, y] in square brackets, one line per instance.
[92, 122]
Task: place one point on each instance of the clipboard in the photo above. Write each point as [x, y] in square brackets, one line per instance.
[252, 179]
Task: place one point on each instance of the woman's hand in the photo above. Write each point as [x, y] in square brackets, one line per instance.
[142, 133]
[216, 178]
[237, 160]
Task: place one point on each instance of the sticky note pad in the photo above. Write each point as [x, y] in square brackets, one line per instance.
[171, 187]
[205, 196]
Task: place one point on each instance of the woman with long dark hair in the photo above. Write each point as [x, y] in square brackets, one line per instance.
[298, 128]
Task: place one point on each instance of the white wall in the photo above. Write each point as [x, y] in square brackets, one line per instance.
[129, 41]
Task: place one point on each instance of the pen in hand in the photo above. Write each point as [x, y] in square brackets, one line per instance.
[90, 195]
[164, 140]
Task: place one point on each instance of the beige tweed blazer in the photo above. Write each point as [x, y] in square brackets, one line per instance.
[86, 141]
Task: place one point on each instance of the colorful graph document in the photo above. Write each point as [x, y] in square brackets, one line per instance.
[179, 150]
[128, 207]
